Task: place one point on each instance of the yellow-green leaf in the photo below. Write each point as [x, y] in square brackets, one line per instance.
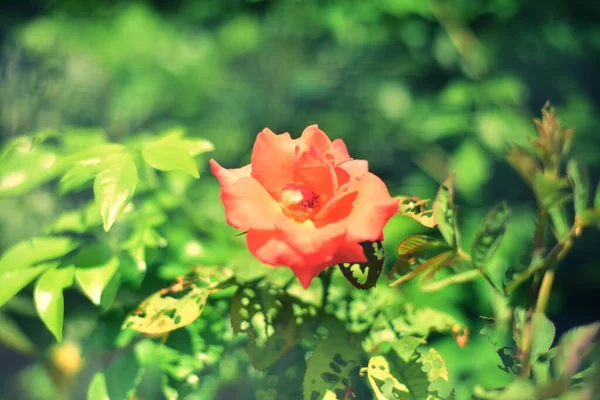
[178, 305]
[35, 250]
[114, 187]
[381, 380]
[172, 153]
[97, 389]
[416, 209]
[48, 298]
[95, 266]
[15, 280]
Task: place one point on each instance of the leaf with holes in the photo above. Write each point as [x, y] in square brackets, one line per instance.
[416, 209]
[417, 253]
[365, 275]
[382, 382]
[581, 185]
[178, 305]
[490, 235]
[444, 212]
[270, 319]
[434, 366]
[331, 365]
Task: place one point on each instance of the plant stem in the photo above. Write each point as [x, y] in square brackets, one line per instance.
[558, 252]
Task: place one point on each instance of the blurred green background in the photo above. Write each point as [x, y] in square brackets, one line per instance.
[416, 87]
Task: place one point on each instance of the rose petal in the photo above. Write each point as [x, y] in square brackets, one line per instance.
[308, 240]
[273, 159]
[355, 168]
[312, 170]
[340, 151]
[249, 206]
[228, 176]
[371, 210]
[313, 137]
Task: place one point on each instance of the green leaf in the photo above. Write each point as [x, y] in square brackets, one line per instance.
[444, 212]
[432, 264]
[48, 298]
[95, 266]
[365, 275]
[550, 189]
[178, 305]
[171, 153]
[114, 187]
[35, 250]
[416, 254]
[97, 389]
[416, 209]
[330, 365]
[15, 280]
[581, 185]
[267, 315]
[543, 335]
[490, 235]
[12, 337]
[123, 376]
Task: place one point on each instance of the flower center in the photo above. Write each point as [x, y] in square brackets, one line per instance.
[298, 202]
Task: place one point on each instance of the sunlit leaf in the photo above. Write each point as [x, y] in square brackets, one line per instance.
[416, 209]
[581, 185]
[114, 187]
[490, 235]
[35, 250]
[444, 211]
[178, 305]
[172, 152]
[97, 389]
[17, 279]
[330, 365]
[434, 365]
[48, 298]
[95, 265]
[365, 275]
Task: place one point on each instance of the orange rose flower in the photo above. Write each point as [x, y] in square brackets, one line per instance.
[305, 203]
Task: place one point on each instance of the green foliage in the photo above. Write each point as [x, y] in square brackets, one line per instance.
[107, 219]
